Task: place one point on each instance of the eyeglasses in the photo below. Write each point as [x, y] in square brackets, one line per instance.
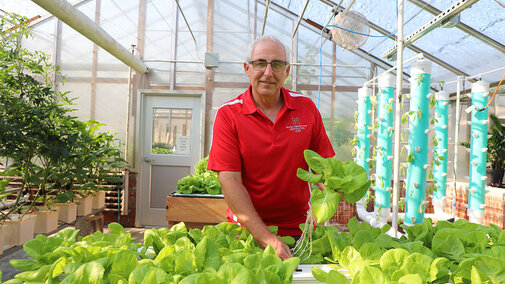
[261, 65]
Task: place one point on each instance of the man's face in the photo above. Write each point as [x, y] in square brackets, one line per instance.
[268, 82]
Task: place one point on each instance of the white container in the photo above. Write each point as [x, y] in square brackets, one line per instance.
[303, 274]
[2, 237]
[17, 232]
[85, 206]
[67, 212]
[98, 200]
[46, 221]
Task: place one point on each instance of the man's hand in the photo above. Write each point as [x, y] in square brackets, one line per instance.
[320, 185]
[238, 199]
[281, 249]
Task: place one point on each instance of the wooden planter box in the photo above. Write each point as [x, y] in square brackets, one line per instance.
[196, 212]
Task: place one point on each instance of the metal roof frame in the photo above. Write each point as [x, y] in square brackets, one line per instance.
[463, 27]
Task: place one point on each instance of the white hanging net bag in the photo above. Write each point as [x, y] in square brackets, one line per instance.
[358, 28]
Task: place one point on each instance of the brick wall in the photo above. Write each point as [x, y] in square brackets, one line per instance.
[494, 205]
[494, 210]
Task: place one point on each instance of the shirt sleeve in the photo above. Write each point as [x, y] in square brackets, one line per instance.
[320, 142]
[224, 153]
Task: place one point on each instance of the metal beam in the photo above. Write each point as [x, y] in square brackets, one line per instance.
[300, 18]
[411, 46]
[265, 17]
[463, 27]
[209, 81]
[360, 52]
[77, 20]
[439, 19]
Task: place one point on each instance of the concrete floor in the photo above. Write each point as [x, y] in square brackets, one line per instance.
[8, 272]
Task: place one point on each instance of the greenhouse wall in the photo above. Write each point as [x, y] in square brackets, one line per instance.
[105, 89]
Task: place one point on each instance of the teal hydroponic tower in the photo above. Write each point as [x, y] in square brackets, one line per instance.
[384, 148]
[418, 142]
[441, 145]
[363, 128]
[478, 151]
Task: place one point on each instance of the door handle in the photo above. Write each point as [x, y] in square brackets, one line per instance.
[148, 159]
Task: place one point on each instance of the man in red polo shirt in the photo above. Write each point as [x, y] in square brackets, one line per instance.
[257, 147]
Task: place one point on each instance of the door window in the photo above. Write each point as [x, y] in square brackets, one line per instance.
[171, 131]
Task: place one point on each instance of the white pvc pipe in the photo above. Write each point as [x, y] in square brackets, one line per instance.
[418, 56]
[77, 20]
[478, 75]
[396, 154]
[456, 134]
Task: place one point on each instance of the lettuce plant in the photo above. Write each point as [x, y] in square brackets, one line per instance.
[202, 181]
[346, 179]
[225, 253]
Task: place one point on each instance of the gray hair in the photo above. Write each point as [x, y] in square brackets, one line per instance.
[252, 45]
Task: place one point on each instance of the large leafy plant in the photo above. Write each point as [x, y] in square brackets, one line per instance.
[202, 181]
[459, 252]
[496, 145]
[47, 147]
[31, 112]
[225, 253]
[346, 179]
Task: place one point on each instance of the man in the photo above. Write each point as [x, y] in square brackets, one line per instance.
[257, 147]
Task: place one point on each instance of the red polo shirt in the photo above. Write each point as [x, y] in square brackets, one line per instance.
[268, 155]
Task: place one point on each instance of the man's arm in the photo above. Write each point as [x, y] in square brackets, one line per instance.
[238, 199]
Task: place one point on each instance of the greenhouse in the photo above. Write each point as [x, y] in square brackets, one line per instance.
[252, 141]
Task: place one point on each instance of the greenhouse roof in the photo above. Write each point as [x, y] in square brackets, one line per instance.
[473, 44]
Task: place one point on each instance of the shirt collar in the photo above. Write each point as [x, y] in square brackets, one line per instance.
[250, 107]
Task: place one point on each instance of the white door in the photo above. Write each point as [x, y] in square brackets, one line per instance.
[169, 134]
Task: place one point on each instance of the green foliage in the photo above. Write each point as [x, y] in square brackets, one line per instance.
[496, 145]
[161, 148]
[202, 181]
[342, 130]
[49, 148]
[459, 252]
[346, 179]
[225, 253]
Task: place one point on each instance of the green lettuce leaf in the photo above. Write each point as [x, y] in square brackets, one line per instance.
[324, 204]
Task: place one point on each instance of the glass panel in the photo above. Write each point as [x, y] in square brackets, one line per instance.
[171, 131]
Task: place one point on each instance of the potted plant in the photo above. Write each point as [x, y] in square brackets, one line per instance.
[496, 153]
[3, 196]
[29, 109]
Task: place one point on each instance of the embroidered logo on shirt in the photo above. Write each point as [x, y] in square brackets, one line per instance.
[297, 125]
